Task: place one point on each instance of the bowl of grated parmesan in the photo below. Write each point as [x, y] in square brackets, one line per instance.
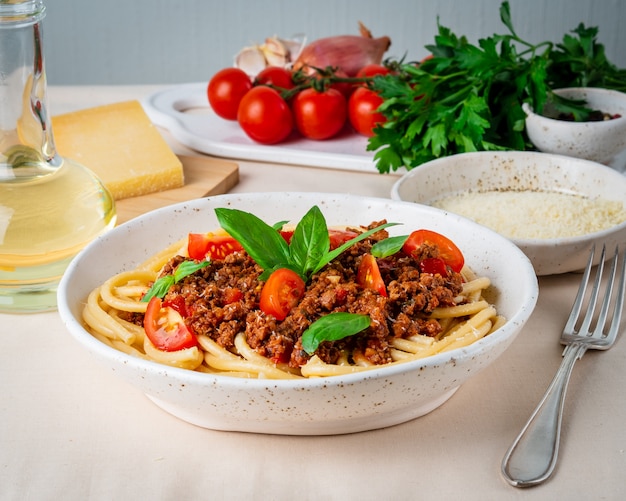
[553, 207]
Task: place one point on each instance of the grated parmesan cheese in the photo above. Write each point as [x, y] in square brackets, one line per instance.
[535, 214]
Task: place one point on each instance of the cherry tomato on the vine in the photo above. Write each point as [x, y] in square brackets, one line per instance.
[276, 76]
[225, 91]
[265, 116]
[371, 70]
[319, 115]
[362, 112]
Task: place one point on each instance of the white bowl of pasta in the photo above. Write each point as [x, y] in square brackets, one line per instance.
[313, 372]
[553, 207]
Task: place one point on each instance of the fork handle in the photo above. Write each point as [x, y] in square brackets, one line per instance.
[532, 457]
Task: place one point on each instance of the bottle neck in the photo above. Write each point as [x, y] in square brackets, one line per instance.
[27, 147]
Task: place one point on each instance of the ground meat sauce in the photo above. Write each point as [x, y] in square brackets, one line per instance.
[221, 300]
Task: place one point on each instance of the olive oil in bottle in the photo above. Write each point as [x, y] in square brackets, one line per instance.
[50, 206]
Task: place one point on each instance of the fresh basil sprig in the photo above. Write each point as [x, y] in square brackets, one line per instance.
[388, 246]
[306, 254]
[333, 327]
[162, 285]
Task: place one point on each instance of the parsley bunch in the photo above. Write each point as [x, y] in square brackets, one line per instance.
[469, 97]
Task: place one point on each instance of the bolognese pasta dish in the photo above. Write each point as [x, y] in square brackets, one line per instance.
[254, 300]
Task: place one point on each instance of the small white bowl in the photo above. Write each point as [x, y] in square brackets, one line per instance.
[600, 141]
[518, 171]
[319, 406]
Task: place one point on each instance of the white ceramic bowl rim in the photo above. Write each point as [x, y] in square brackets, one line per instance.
[579, 239]
[206, 379]
[586, 90]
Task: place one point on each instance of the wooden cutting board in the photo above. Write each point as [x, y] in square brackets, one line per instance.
[203, 176]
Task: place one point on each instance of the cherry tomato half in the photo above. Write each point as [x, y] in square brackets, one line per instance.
[166, 328]
[362, 112]
[434, 266]
[282, 291]
[225, 91]
[448, 251]
[265, 116]
[368, 275]
[276, 76]
[211, 246]
[340, 237]
[319, 115]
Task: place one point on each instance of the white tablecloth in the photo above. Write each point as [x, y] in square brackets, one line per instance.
[70, 429]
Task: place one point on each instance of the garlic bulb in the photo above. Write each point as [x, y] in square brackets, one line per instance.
[274, 51]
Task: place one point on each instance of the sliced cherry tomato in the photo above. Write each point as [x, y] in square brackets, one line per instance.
[276, 76]
[211, 246]
[166, 328]
[177, 303]
[368, 275]
[448, 251]
[434, 266]
[371, 70]
[282, 291]
[340, 237]
[362, 112]
[265, 116]
[225, 91]
[232, 295]
[320, 115]
[287, 235]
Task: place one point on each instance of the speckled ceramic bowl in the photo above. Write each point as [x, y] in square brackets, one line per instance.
[340, 404]
[517, 170]
[597, 141]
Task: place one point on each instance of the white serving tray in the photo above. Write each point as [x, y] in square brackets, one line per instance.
[185, 112]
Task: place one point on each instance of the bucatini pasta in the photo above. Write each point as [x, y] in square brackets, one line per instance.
[413, 309]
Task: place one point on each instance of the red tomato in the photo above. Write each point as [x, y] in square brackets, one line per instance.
[434, 266]
[362, 113]
[165, 327]
[282, 291]
[265, 116]
[371, 70]
[276, 76]
[368, 275]
[319, 115]
[346, 88]
[211, 246]
[448, 251]
[232, 295]
[340, 237]
[225, 91]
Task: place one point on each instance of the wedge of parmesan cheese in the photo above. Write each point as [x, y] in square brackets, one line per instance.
[119, 143]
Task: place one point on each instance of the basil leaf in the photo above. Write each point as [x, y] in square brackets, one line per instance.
[310, 242]
[159, 288]
[279, 225]
[162, 285]
[186, 268]
[262, 242]
[333, 327]
[335, 253]
[388, 246]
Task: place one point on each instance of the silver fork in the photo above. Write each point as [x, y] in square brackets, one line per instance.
[532, 457]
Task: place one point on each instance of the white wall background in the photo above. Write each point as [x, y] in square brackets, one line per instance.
[177, 41]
